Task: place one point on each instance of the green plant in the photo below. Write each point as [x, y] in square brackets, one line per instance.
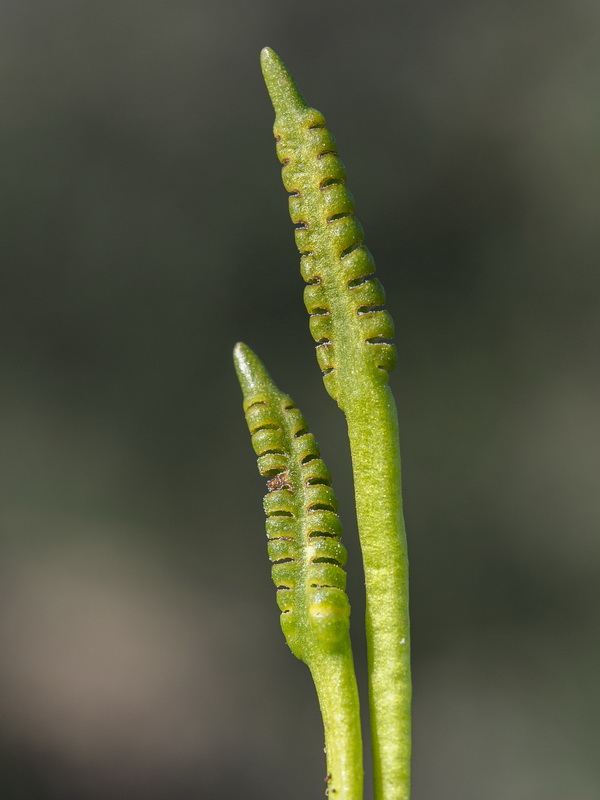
[353, 334]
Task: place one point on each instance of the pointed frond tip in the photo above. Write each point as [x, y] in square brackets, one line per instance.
[282, 89]
[251, 372]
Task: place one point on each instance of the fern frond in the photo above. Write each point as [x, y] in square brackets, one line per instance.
[303, 531]
[355, 353]
[343, 297]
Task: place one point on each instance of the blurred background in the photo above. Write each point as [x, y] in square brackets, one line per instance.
[144, 230]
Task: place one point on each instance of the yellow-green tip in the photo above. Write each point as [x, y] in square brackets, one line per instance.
[283, 92]
[252, 374]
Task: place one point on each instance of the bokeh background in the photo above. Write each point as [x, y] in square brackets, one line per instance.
[144, 230]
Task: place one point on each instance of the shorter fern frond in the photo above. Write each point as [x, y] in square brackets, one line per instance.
[303, 527]
[303, 531]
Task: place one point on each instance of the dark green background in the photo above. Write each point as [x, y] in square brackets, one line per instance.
[144, 230]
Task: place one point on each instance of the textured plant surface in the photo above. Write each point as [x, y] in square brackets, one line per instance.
[304, 531]
[354, 350]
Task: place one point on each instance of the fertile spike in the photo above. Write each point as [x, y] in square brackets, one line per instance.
[355, 352]
[344, 299]
[303, 527]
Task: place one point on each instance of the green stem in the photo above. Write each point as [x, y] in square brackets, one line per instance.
[335, 683]
[353, 334]
[373, 434]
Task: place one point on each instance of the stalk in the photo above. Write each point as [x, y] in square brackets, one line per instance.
[338, 700]
[374, 445]
[354, 350]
